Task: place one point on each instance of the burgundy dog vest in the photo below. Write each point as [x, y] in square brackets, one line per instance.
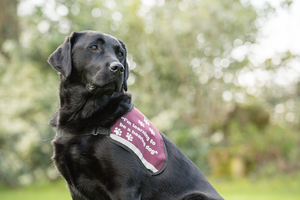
[134, 131]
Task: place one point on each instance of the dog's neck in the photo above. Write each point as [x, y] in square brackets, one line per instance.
[80, 110]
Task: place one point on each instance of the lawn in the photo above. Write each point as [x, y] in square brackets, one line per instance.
[42, 191]
[265, 189]
[278, 188]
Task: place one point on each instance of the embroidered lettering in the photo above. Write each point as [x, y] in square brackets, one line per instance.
[140, 137]
[136, 127]
[146, 136]
[136, 132]
[151, 150]
[126, 120]
[122, 125]
[152, 142]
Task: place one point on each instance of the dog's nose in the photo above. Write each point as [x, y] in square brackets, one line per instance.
[116, 68]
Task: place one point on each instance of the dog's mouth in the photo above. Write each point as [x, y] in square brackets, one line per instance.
[91, 88]
[107, 88]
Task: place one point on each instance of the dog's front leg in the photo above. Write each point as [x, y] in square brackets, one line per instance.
[76, 195]
[127, 194]
[96, 195]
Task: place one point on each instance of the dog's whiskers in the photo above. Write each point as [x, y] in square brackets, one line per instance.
[45, 140]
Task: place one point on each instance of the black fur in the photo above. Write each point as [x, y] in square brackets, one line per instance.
[93, 94]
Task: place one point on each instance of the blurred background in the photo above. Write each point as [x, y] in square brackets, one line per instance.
[220, 78]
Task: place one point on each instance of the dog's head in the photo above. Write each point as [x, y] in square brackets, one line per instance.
[94, 60]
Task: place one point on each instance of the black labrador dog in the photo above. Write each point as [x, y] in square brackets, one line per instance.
[89, 151]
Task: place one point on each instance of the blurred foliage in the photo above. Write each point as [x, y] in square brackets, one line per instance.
[190, 64]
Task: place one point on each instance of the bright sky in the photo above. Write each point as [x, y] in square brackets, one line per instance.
[282, 31]
[278, 34]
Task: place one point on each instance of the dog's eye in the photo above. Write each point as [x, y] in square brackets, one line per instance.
[94, 47]
[120, 54]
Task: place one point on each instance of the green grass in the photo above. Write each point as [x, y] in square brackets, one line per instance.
[42, 191]
[274, 188]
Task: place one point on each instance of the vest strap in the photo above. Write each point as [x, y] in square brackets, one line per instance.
[95, 131]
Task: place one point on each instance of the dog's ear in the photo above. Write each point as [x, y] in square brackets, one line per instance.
[126, 71]
[61, 58]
